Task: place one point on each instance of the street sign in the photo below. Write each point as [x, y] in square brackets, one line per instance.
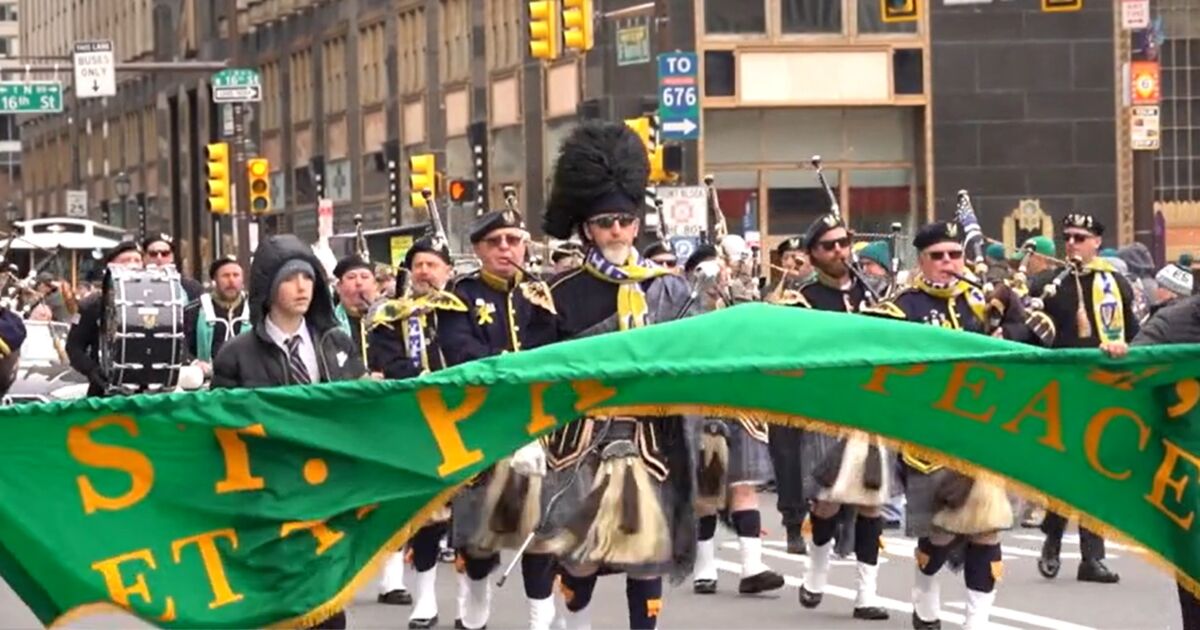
[35, 97]
[685, 209]
[324, 218]
[236, 85]
[95, 69]
[1144, 80]
[684, 246]
[77, 201]
[1144, 128]
[633, 45]
[679, 96]
[1135, 14]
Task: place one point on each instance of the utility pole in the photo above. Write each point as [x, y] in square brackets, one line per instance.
[238, 193]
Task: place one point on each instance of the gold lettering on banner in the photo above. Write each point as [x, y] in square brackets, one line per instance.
[1164, 480]
[1049, 411]
[880, 374]
[591, 393]
[119, 591]
[88, 452]
[1095, 433]
[324, 536]
[539, 420]
[958, 382]
[443, 422]
[1123, 381]
[214, 570]
[1188, 391]
[237, 459]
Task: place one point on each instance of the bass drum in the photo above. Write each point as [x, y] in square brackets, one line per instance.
[142, 341]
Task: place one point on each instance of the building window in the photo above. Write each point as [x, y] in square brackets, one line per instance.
[735, 16]
[372, 57]
[272, 96]
[504, 34]
[720, 73]
[410, 38]
[870, 20]
[455, 60]
[301, 76]
[812, 16]
[334, 87]
[7, 46]
[8, 13]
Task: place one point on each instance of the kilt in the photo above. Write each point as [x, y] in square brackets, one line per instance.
[749, 457]
[920, 501]
[816, 447]
[466, 509]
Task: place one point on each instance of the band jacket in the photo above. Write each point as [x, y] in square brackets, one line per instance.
[83, 343]
[388, 345]
[254, 359]
[587, 306]
[1063, 307]
[356, 325]
[960, 307]
[502, 316]
[821, 294]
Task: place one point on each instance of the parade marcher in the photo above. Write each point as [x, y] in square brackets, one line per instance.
[841, 474]
[566, 256]
[732, 461]
[83, 340]
[295, 339]
[1092, 307]
[944, 505]
[357, 291]
[218, 315]
[12, 336]
[404, 342]
[661, 254]
[159, 249]
[604, 465]
[507, 312]
[1174, 281]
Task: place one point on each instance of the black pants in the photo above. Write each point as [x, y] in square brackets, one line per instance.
[1189, 606]
[336, 622]
[1091, 545]
[784, 445]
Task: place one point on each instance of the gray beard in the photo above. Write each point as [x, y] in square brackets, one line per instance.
[616, 254]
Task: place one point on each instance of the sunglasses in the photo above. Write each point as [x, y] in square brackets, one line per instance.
[512, 240]
[831, 244]
[607, 221]
[163, 253]
[953, 254]
[1076, 237]
[667, 263]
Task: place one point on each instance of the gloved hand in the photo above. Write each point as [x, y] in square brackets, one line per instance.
[529, 459]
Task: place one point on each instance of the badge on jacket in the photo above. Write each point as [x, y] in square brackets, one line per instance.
[341, 359]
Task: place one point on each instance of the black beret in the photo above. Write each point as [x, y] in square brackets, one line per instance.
[658, 248]
[702, 253]
[790, 244]
[820, 227]
[424, 246]
[495, 220]
[216, 265]
[934, 233]
[348, 264]
[12, 333]
[120, 248]
[569, 248]
[158, 238]
[1084, 222]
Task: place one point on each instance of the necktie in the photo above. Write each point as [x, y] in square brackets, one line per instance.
[295, 363]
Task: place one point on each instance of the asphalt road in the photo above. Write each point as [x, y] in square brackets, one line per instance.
[1144, 600]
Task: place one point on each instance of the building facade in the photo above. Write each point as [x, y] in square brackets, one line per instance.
[1003, 99]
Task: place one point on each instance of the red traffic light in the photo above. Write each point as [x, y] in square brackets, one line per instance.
[461, 189]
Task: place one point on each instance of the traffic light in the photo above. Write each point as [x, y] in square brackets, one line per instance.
[577, 24]
[216, 168]
[1061, 5]
[461, 190]
[543, 29]
[901, 10]
[258, 172]
[422, 175]
[641, 126]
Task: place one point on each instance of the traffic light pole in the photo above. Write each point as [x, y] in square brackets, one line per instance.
[239, 195]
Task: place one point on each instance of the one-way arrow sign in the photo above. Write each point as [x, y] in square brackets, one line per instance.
[95, 71]
[685, 126]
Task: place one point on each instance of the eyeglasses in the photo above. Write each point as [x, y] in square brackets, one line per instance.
[834, 243]
[1076, 237]
[512, 240]
[953, 254]
[607, 221]
[667, 263]
[162, 253]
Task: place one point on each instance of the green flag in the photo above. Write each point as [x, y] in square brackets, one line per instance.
[240, 508]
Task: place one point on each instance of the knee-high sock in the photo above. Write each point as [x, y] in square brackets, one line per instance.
[537, 572]
[816, 576]
[477, 594]
[748, 525]
[393, 573]
[425, 594]
[706, 548]
[577, 592]
[981, 571]
[927, 597]
[645, 602]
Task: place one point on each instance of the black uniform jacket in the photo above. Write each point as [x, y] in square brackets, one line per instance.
[1063, 306]
[502, 316]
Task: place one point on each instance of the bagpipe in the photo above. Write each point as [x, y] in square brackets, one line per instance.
[854, 264]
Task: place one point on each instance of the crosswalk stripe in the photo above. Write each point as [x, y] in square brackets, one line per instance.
[1024, 617]
[910, 546]
[848, 594]
[1074, 540]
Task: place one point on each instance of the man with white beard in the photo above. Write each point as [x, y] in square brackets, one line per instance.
[627, 500]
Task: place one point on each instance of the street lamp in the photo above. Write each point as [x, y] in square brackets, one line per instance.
[122, 184]
[11, 213]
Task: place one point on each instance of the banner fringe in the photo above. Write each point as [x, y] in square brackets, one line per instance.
[832, 429]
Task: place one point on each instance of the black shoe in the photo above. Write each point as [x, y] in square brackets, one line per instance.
[921, 624]
[1049, 564]
[760, 583]
[873, 613]
[1095, 571]
[704, 587]
[795, 541]
[397, 597]
[809, 599]
[458, 625]
[891, 524]
[422, 624]
[447, 555]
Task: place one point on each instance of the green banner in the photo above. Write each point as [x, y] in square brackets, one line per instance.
[260, 507]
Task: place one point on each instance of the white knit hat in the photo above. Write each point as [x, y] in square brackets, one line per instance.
[1175, 279]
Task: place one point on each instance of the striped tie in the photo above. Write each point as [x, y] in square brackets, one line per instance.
[295, 363]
